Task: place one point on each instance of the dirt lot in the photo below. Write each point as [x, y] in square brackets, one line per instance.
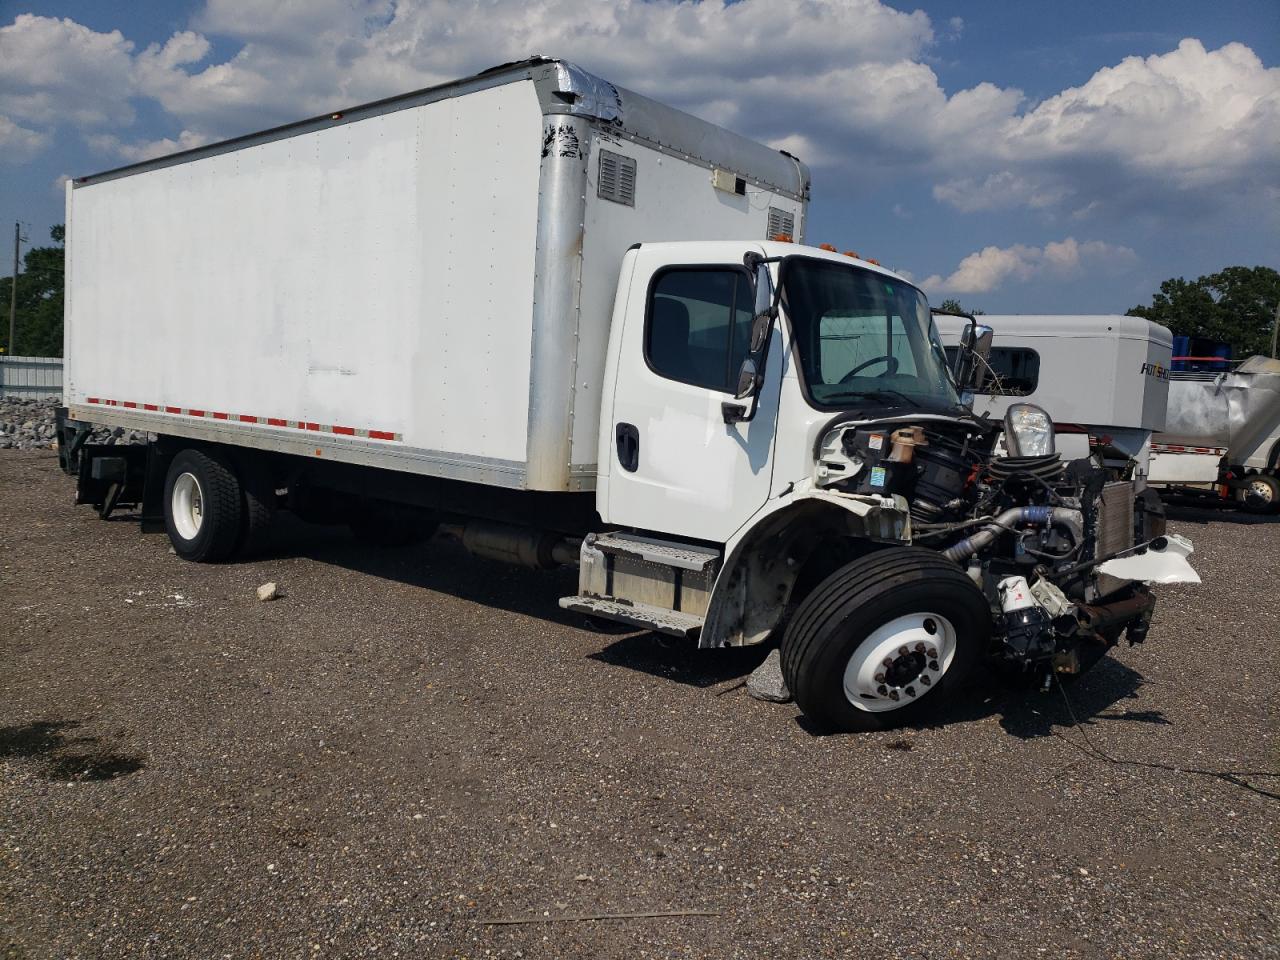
[410, 743]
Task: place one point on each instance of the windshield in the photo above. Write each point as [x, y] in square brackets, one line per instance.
[864, 337]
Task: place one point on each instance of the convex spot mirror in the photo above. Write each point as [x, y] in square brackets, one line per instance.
[748, 378]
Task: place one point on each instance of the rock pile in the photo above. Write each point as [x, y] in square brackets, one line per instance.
[29, 425]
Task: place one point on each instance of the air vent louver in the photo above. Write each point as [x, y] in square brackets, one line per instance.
[780, 222]
[617, 180]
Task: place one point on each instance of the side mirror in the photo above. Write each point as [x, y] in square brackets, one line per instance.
[764, 297]
[748, 378]
[971, 360]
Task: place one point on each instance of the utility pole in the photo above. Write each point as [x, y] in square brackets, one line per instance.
[13, 287]
[1275, 328]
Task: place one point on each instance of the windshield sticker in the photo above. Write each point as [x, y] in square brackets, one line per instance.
[875, 441]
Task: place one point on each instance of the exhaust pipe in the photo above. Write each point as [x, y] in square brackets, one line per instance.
[507, 543]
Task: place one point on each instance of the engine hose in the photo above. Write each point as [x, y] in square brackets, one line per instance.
[1038, 515]
[1043, 468]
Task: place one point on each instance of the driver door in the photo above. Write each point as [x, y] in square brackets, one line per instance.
[676, 467]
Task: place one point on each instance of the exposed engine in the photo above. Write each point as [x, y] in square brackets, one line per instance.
[1030, 530]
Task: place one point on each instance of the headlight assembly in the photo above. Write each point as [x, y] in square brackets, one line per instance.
[1028, 431]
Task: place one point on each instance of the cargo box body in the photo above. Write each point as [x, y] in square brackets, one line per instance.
[423, 284]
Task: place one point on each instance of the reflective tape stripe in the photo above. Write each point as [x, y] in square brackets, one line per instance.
[304, 425]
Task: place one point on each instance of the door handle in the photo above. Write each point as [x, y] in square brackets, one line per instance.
[628, 438]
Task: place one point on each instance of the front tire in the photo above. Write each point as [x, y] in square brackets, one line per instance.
[886, 640]
[203, 508]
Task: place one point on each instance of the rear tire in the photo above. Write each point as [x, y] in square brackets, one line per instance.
[259, 509]
[843, 651]
[202, 506]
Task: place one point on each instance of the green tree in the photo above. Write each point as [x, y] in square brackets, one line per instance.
[39, 314]
[953, 306]
[1236, 304]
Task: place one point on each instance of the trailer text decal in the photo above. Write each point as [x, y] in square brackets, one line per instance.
[248, 418]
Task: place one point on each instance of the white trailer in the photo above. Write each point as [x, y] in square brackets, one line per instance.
[568, 325]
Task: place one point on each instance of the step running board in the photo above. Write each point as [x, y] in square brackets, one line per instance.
[683, 556]
[673, 623]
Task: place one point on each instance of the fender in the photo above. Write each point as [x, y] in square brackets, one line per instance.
[766, 557]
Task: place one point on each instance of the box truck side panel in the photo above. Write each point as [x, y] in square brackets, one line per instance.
[363, 289]
[670, 199]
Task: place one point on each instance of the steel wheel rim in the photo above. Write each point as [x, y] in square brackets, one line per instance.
[187, 506]
[900, 662]
[1260, 491]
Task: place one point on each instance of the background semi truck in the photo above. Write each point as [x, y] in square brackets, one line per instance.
[1104, 377]
[1192, 425]
[571, 326]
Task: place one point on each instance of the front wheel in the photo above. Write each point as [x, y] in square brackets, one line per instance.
[886, 640]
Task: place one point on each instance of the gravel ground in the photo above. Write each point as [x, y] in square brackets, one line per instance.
[409, 743]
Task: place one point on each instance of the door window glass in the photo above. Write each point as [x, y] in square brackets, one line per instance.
[699, 326]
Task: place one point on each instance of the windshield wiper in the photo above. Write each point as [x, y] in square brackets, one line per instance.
[881, 395]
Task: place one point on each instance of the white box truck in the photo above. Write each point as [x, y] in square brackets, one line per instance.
[570, 325]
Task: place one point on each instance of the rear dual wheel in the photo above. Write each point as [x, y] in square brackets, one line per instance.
[886, 640]
[203, 509]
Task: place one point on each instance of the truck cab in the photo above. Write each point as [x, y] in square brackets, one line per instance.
[781, 423]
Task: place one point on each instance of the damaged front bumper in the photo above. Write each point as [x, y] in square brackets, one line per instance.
[1042, 631]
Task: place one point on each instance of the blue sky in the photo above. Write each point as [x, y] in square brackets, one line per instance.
[1023, 157]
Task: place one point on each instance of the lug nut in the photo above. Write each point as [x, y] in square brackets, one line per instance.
[903, 651]
[920, 648]
[931, 653]
[933, 665]
[924, 679]
[893, 694]
[882, 690]
[911, 691]
[888, 661]
[880, 678]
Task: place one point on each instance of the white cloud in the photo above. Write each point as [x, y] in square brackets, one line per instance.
[57, 71]
[989, 268]
[844, 84]
[999, 191]
[1191, 123]
[18, 144]
[135, 152]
